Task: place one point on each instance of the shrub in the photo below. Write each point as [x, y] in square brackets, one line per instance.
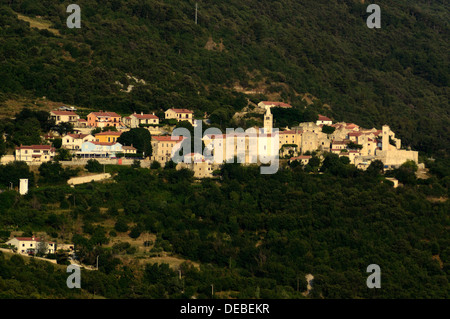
[121, 226]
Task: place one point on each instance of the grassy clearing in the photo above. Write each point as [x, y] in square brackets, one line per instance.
[39, 23]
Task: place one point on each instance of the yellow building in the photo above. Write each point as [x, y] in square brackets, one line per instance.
[162, 147]
[107, 137]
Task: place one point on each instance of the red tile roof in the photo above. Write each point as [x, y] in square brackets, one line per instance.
[144, 116]
[35, 147]
[324, 118]
[105, 114]
[168, 138]
[181, 110]
[290, 132]
[340, 142]
[31, 239]
[109, 133]
[301, 157]
[77, 136]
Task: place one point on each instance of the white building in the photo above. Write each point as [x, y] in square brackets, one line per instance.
[23, 186]
[100, 149]
[180, 115]
[74, 141]
[34, 153]
[323, 120]
[134, 120]
[196, 162]
[30, 245]
[64, 116]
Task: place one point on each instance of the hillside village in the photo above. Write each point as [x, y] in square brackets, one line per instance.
[96, 137]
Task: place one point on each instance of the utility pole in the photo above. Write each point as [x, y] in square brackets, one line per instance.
[196, 10]
[97, 262]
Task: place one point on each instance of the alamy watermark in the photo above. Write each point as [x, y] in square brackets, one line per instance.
[74, 20]
[374, 280]
[74, 280]
[252, 146]
[374, 20]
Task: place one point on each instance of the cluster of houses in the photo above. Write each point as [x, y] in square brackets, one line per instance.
[103, 144]
[360, 145]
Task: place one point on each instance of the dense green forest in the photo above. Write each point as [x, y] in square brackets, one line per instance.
[255, 236]
[396, 75]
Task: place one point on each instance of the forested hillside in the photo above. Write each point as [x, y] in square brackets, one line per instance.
[254, 236]
[396, 75]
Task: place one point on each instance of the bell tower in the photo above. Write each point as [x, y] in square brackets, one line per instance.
[268, 121]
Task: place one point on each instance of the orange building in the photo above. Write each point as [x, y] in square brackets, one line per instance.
[103, 119]
[107, 137]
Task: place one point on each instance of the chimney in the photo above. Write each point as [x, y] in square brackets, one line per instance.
[142, 113]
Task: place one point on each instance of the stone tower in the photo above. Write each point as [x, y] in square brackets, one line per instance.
[268, 121]
[385, 138]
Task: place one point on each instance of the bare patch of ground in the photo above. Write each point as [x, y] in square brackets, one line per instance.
[39, 23]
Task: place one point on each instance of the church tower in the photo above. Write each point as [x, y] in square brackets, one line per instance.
[385, 138]
[268, 121]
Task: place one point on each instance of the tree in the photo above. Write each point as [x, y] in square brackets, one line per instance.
[313, 164]
[353, 146]
[94, 166]
[54, 173]
[57, 143]
[155, 165]
[136, 163]
[63, 155]
[375, 168]
[2, 147]
[121, 225]
[42, 248]
[135, 232]
[63, 128]
[140, 138]
[328, 129]
[170, 165]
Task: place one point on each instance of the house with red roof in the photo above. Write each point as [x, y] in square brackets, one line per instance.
[64, 117]
[34, 153]
[197, 163]
[103, 119]
[162, 147]
[179, 115]
[135, 120]
[73, 141]
[30, 245]
[304, 159]
[323, 120]
[107, 136]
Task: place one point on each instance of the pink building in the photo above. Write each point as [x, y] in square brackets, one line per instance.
[103, 119]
